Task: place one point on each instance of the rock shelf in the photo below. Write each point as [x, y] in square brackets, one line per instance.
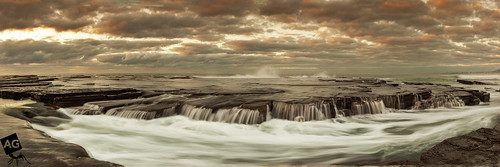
[258, 101]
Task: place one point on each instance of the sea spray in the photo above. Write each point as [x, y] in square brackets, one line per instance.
[263, 72]
[267, 72]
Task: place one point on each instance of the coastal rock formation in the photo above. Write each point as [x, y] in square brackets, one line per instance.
[245, 102]
[42, 150]
[478, 148]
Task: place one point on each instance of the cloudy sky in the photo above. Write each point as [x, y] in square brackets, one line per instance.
[241, 36]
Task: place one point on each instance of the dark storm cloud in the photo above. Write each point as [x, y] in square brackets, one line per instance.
[263, 46]
[30, 51]
[77, 51]
[62, 15]
[123, 44]
[281, 7]
[195, 62]
[140, 24]
[149, 25]
[349, 33]
[221, 7]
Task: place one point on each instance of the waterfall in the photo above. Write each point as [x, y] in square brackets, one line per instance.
[337, 112]
[196, 113]
[368, 107]
[86, 109]
[238, 115]
[393, 101]
[306, 112]
[232, 115]
[131, 113]
[140, 114]
[438, 101]
[269, 116]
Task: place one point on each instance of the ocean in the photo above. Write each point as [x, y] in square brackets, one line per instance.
[181, 141]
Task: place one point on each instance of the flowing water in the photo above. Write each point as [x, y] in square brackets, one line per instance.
[182, 141]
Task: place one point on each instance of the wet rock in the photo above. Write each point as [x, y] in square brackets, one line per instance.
[468, 98]
[347, 96]
[23, 81]
[42, 116]
[263, 107]
[44, 151]
[467, 82]
[480, 147]
[482, 95]
[181, 77]
[418, 83]
[78, 97]
[79, 76]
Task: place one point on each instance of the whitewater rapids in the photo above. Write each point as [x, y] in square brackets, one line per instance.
[180, 141]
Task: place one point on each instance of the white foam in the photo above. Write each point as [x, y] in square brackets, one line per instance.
[180, 141]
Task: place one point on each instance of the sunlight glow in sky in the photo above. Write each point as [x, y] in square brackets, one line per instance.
[231, 36]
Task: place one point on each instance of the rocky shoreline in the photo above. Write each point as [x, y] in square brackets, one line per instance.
[304, 101]
[42, 150]
[478, 148]
[318, 100]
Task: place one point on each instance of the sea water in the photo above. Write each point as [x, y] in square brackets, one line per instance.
[180, 141]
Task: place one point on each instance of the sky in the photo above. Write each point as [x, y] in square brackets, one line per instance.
[212, 37]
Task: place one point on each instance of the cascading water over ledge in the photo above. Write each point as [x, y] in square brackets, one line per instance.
[317, 109]
[304, 112]
[238, 115]
[438, 101]
[232, 115]
[86, 109]
[368, 107]
[196, 113]
[257, 100]
[140, 114]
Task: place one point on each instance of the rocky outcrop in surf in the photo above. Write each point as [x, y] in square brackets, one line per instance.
[477, 148]
[243, 103]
